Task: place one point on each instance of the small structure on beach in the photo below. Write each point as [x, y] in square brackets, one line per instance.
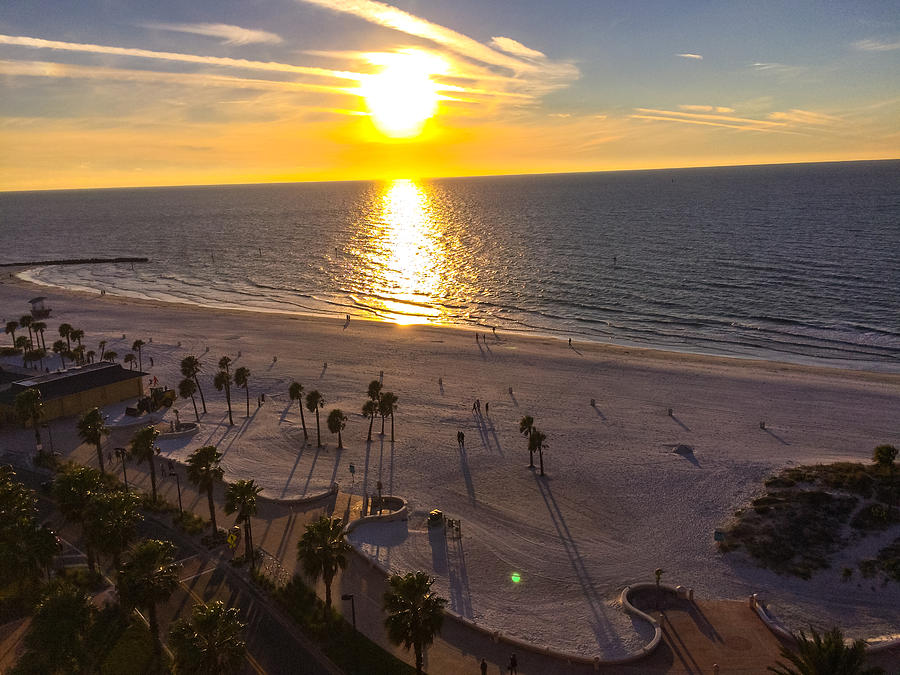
[75, 390]
[38, 310]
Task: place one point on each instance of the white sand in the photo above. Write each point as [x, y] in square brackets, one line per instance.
[616, 502]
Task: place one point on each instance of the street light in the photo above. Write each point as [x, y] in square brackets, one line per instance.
[349, 596]
[178, 483]
[121, 453]
[46, 426]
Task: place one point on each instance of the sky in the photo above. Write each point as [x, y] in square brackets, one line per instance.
[116, 93]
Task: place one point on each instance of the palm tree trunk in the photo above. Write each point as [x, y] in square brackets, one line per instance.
[530, 458]
[248, 541]
[153, 478]
[100, 457]
[371, 422]
[202, 400]
[340, 442]
[212, 509]
[154, 631]
[89, 553]
[392, 427]
[302, 420]
[194, 401]
[418, 649]
[37, 430]
[140, 361]
[318, 435]
[327, 581]
[541, 453]
[247, 389]
[228, 400]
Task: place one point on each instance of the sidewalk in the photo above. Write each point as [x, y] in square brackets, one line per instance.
[690, 645]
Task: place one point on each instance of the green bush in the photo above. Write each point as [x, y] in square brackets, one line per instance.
[875, 517]
[132, 652]
[189, 522]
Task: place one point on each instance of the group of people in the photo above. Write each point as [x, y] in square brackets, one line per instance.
[476, 407]
[512, 667]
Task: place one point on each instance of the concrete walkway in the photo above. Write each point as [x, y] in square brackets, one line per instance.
[695, 638]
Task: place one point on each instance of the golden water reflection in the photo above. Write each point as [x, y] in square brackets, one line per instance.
[405, 255]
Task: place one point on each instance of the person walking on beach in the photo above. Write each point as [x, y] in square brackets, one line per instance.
[483, 667]
[513, 667]
[478, 405]
[461, 439]
[487, 408]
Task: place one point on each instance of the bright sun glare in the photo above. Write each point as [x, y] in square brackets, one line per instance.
[402, 96]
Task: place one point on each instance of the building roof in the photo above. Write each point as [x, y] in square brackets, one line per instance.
[71, 381]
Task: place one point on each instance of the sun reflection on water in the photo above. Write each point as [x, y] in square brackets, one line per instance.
[405, 255]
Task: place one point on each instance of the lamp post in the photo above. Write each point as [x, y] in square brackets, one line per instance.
[121, 453]
[46, 426]
[178, 483]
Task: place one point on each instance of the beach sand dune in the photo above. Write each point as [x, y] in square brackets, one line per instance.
[616, 502]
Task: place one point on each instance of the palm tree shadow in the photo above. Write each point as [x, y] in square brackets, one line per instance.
[312, 468]
[599, 624]
[513, 397]
[284, 413]
[458, 578]
[599, 412]
[365, 480]
[293, 469]
[337, 462]
[572, 347]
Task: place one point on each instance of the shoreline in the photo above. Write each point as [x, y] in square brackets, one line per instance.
[655, 354]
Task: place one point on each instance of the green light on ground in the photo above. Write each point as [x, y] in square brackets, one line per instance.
[516, 577]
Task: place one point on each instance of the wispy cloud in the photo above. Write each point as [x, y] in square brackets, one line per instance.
[706, 108]
[533, 72]
[804, 117]
[228, 34]
[709, 119]
[780, 69]
[696, 57]
[272, 66]
[876, 45]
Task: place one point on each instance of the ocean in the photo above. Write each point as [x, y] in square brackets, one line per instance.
[795, 263]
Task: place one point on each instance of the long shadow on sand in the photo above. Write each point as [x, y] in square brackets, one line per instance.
[599, 624]
[776, 437]
[466, 474]
[293, 470]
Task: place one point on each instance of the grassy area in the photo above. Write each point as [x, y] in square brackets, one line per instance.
[350, 650]
[131, 653]
[809, 513]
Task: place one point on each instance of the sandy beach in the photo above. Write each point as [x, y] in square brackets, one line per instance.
[616, 502]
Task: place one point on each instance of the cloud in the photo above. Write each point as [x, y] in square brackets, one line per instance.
[229, 35]
[706, 108]
[535, 74]
[272, 66]
[696, 57]
[780, 69]
[516, 48]
[876, 45]
[804, 117]
[715, 120]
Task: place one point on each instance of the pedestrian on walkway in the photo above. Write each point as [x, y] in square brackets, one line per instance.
[513, 667]
[483, 667]
[475, 405]
[487, 408]
[461, 439]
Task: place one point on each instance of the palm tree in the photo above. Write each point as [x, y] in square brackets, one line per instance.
[884, 456]
[91, 429]
[295, 391]
[536, 442]
[111, 522]
[11, 327]
[57, 640]
[337, 420]
[143, 449]
[26, 322]
[23, 345]
[75, 334]
[147, 578]
[322, 550]
[77, 354]
[65, 331]
[39, 327]
[137, 346]
[209, 643]
[314, 401]
[242, 379]
[374, 391]
[826, 654]
[74, 490]
[30, 408]
[203, 470]
[102, 346]
[223, 381]
[59, 347]
[241, 496]
[387, 404]
[89, 355]
[129, 359]
[190, 368]
[110, 356]
[370, 409]
[526, 425]
[187, 388]
[414, 614]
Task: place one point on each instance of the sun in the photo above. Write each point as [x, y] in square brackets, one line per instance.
[402, 96]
